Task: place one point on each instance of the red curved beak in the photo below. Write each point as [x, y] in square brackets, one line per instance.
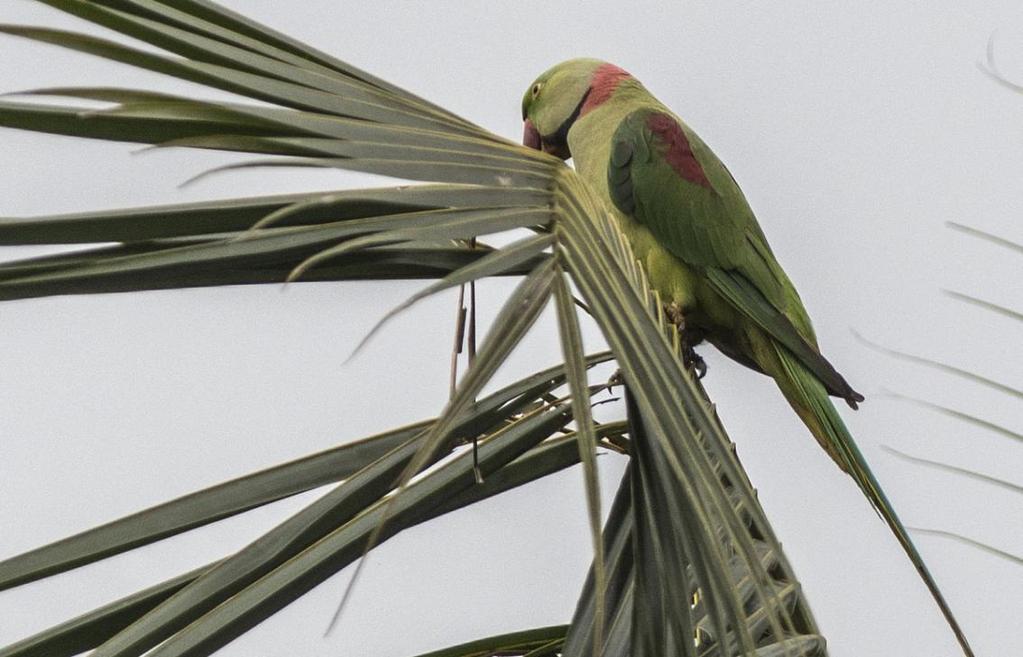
[531, 136]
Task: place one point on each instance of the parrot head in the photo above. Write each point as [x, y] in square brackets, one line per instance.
[561, 95]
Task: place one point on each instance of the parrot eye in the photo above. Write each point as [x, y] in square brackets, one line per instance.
[536, 89]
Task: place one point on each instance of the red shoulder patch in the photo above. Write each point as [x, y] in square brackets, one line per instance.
[605, 80]
[678, 153]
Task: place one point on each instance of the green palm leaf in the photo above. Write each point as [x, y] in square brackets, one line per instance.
[968, 376]
[686, 521]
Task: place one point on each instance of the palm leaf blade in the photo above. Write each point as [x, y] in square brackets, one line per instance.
[93, 628]
[693, 522]
[335, 550]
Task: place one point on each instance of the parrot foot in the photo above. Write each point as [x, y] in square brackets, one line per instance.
[673, 311]
[690, 338]
[694, 361]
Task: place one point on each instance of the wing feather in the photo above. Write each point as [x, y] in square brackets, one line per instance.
[664, 176]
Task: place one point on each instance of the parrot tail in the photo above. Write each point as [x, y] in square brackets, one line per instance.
[808, 397]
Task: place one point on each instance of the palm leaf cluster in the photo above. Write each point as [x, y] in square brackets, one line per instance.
[972, 377]
[686, 562]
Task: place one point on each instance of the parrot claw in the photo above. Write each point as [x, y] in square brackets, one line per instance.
[695, 362]
[690, 338]
[673, 312]
[701, 368]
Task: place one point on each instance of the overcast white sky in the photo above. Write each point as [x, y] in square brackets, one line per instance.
[855, 128]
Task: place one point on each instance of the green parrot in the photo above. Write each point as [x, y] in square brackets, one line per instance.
[691, 227]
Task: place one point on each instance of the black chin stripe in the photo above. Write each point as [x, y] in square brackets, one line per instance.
[560, 136]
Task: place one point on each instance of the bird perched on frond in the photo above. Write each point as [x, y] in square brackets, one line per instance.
[692, 229]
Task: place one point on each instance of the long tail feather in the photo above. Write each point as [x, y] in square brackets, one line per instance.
[810, 400]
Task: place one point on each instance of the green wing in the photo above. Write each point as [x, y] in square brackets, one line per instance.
[665, 177]
[654, 176]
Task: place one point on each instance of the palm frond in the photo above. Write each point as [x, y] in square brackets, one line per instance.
[1008, 556]
[943, 367]
[93, 628]
[948, 467]
[686, 521]
[985, 235]
[986, 305]
[966, 375]
[539, 642]
[960, 415]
